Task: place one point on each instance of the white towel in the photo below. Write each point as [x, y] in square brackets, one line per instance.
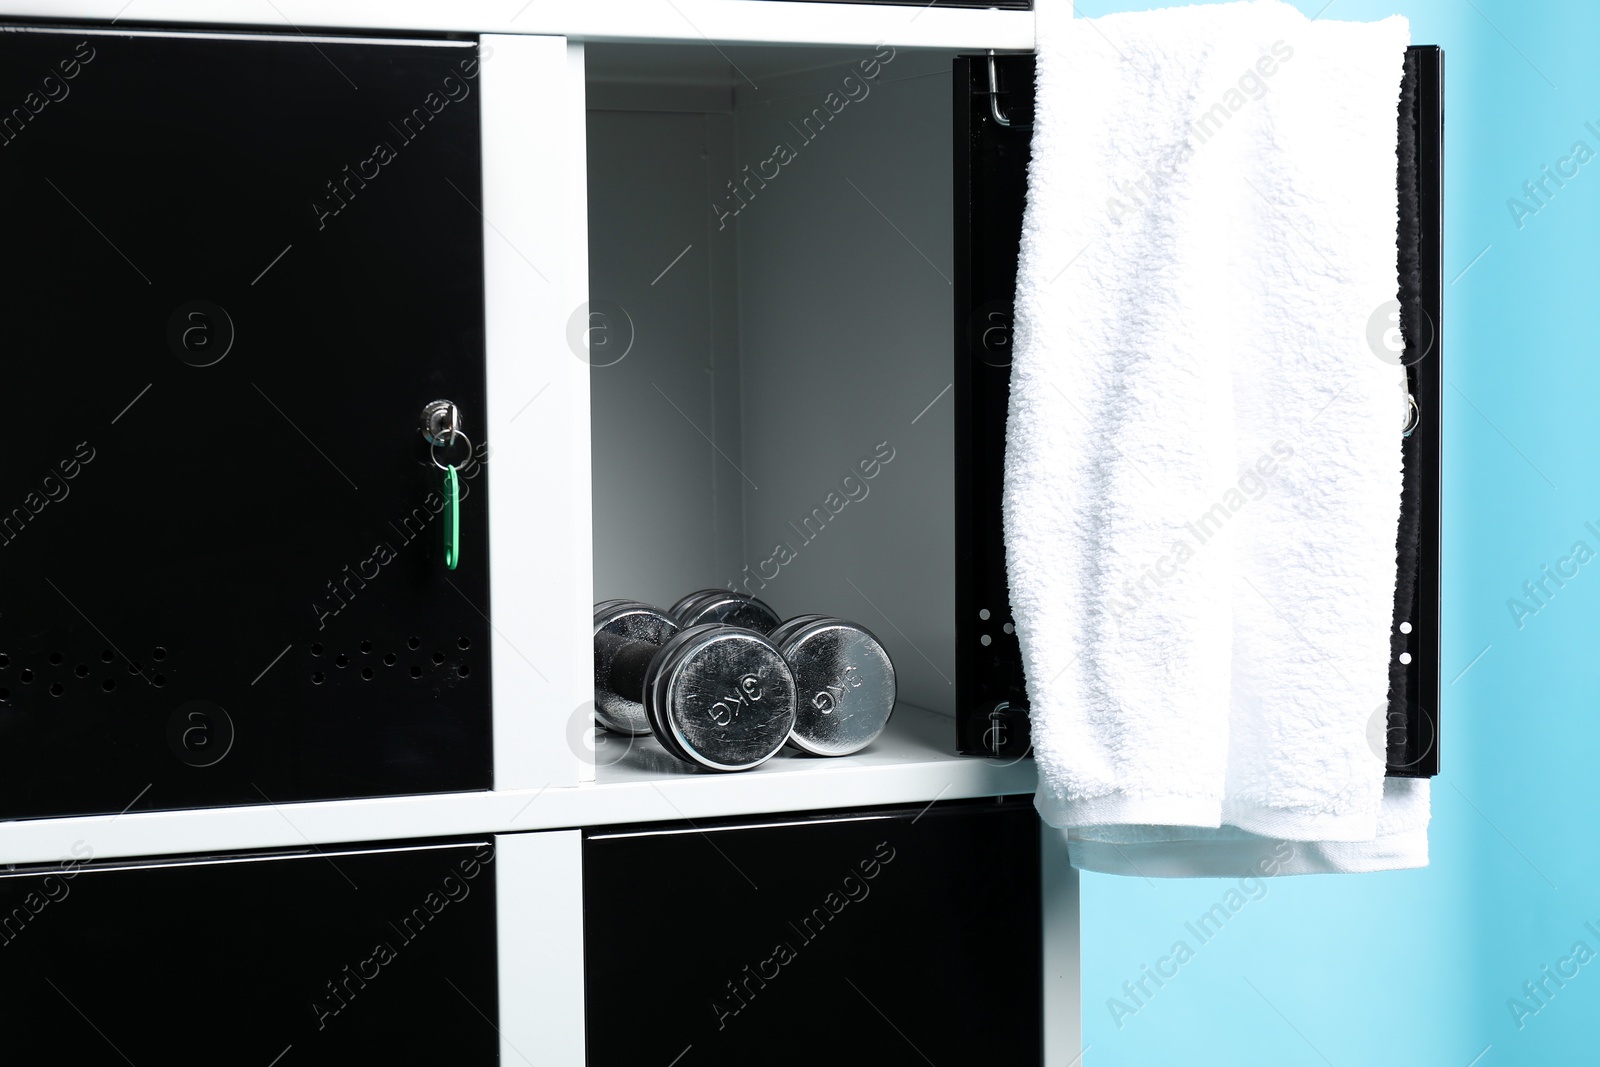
[1203, 460]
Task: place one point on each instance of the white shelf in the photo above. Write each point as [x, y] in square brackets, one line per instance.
[917, 743]
[722, 21]
[913, 762]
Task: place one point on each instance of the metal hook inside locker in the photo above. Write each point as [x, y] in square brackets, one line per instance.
[994, 91]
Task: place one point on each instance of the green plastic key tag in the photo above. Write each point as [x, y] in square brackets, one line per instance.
[441, 426]
[452, 518]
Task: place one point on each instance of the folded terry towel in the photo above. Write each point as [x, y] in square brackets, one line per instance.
[1203, 466]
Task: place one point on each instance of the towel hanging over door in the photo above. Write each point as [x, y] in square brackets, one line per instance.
[1203, 469]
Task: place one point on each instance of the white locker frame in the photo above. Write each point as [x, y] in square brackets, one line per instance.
[722, 21]
[539, 923]
[535, 224]
[536, 276]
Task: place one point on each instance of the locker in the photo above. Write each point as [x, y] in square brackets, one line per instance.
[876, 936]
[245, 264]
[309, 956]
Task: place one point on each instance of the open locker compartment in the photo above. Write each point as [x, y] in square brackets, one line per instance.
[770, 243]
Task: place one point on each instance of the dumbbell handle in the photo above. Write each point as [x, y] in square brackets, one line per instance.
[630, 659]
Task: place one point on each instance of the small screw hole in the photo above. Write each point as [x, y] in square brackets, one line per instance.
[134, 667]
[438, 657]
[341, 660]
[366, 674]
[388, 659]
[464, 644]
[985, 640]
[57, 689]
[107, 656]
[5, 694]
[159, 680]
[316, 650]
[158, 653]
[55, 659]
[27, 675]
[416, 672]
[463, 670]
[1405, 657]
[318, 678]
[109, 685]
[983, 613]
[1405, 627]
[1008, 628]
[414, 643]
[366, 646]
[5, 660]
[82, 670]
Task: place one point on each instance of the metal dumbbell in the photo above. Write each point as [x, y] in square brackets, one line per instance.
[845, 678]
[724, 606]
[845, 682]
[718, 696]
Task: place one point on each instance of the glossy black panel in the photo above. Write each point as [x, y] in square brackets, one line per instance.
[294, 959]
[1413, 720]
[991, 185]
[897, 936]
[236, 270]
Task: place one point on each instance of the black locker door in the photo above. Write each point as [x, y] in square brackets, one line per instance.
[993, 111]
[888, 936]
[383, 955]
[990, 191]
[236, 267]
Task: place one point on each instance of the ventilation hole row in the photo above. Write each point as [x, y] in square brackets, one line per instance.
[106, 656]
[413, 643]
[28, 677]
[108, 685]
[339, 661]
[368, 674]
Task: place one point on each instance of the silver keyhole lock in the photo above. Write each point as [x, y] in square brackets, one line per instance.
[441, 428]
[441, 423]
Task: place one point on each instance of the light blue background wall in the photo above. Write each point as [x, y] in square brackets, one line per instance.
[1416, 967]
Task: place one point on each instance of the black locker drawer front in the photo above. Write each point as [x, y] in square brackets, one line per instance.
[238, 267]
[336, 957]
[888, 936]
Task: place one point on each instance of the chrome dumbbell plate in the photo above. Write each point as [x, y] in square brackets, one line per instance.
[844, 680]
[684, 601]
[781, 632]
[727, 607]
[727, 697]
[619, 627]
[721, 697]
